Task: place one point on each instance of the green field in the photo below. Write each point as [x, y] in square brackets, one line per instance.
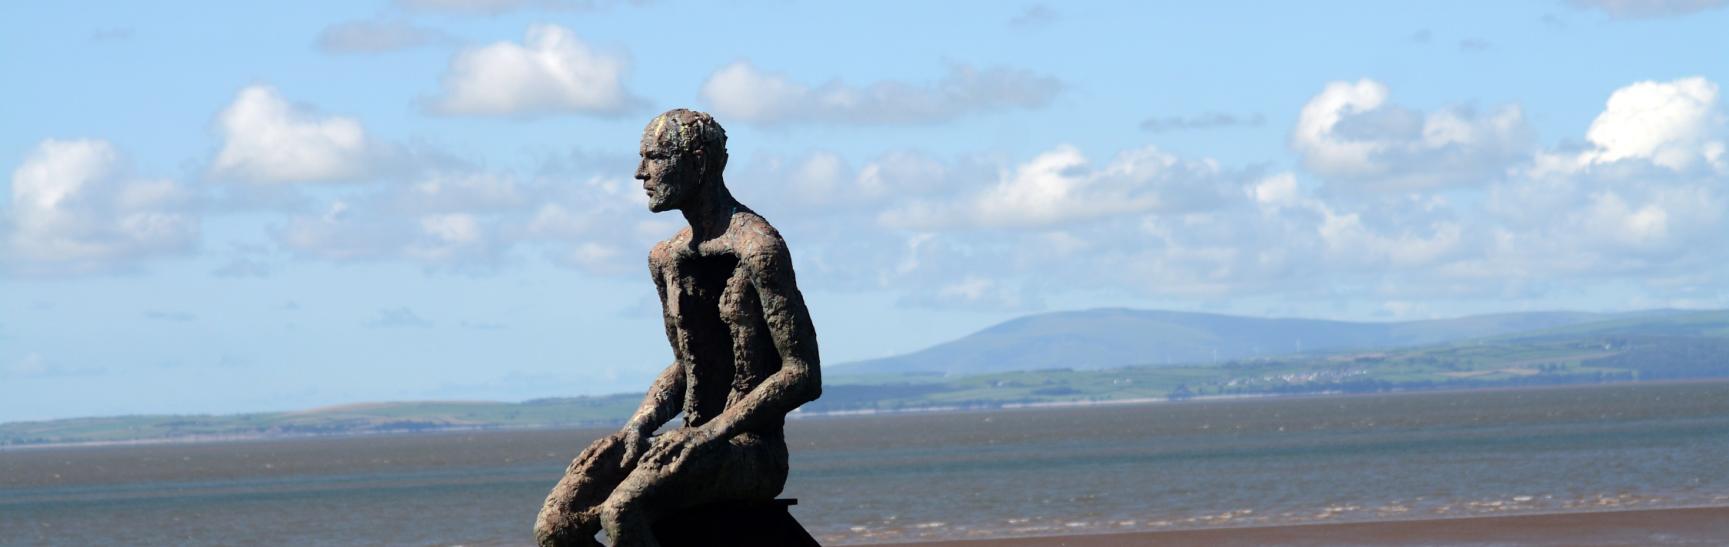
[1679, 346]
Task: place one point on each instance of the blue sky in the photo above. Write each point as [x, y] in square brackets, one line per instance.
[221, 207]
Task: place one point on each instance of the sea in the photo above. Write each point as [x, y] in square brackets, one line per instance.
[936, 475]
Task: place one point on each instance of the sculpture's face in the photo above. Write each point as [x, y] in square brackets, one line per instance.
[669, 175]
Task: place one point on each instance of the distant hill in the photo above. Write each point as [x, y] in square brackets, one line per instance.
[354, 419]
[1491, 351]
[1117, 337]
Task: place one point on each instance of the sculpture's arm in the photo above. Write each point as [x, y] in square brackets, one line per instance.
[665, 396]
[799, 379]
[664, 400]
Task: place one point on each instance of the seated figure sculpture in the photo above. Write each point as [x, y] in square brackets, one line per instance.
[744, 355]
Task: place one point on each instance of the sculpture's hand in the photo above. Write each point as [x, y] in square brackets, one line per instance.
[635, 443]
[679, 445]
[600, 446]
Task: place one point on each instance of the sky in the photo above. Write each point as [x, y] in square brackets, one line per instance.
[217, 207]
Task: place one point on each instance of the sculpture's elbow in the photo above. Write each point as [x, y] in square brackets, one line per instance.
[813, 389]
[807, 383]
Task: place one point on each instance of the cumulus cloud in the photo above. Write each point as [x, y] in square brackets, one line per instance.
[551, 72]
[741, 91]
[374, 36]
[476, 221]
[459, 241]
[75, 209]
[1061, 186]
[1618, 209]
[1671, 124]
[1643, 199]
[975, 292]
[600, 225]
[268, 140]
[1350, 134]
[1648, 9]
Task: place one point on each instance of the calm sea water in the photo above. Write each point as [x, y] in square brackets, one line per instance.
[866, 479]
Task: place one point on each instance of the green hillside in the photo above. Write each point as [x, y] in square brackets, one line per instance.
[347, 419]
[1115, 337]
[1657, 346]
[1678, 346]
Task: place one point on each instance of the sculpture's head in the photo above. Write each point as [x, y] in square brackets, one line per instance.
[682, 150]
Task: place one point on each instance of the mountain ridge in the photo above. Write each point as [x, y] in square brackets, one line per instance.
[1115, 337]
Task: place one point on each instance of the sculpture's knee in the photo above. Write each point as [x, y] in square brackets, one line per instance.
[626, 522]
[555, 529]
[614, 514]
[544, 534]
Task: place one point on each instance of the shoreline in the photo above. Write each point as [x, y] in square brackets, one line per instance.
[1697, 525]
[799, 415]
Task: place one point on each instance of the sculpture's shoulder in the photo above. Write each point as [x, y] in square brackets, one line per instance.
[759, 246]
[756, 238]
[662, 254]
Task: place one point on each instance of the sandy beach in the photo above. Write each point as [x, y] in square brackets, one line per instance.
[1691, 526]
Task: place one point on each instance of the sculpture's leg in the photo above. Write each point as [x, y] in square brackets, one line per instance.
[748, 467]
[571, 515]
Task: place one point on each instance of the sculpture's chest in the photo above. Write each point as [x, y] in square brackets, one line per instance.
[700, 286]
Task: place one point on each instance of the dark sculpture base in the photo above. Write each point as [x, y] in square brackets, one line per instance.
[734, 523]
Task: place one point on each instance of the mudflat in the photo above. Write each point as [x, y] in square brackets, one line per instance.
[1687, 526]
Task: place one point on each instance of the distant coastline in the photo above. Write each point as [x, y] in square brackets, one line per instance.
[424, 425]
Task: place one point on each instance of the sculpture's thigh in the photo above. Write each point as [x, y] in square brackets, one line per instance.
[748, 467]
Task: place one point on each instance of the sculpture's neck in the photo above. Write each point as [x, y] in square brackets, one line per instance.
[711, 211]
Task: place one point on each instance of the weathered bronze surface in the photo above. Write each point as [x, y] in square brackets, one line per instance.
[745, 355]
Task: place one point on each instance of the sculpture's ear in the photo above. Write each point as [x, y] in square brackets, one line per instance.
[701, 165]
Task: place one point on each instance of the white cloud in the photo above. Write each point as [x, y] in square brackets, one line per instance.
[375, 36]
[1350, 134]
[1646, 198]
[75, 210]
[445, 192]
[449, 236]
[268, 140]
[552, 72]
[1061, 186]
[1645, 9]
[741, 91]
[993, 232]
[600, 225]
[339, 234]
[1667, 123]
[901, 174]
[476, 222]
[975, 292]
[820, 177]
[1276, 191]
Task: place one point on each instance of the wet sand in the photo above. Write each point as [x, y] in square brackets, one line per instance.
[1692, 526]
